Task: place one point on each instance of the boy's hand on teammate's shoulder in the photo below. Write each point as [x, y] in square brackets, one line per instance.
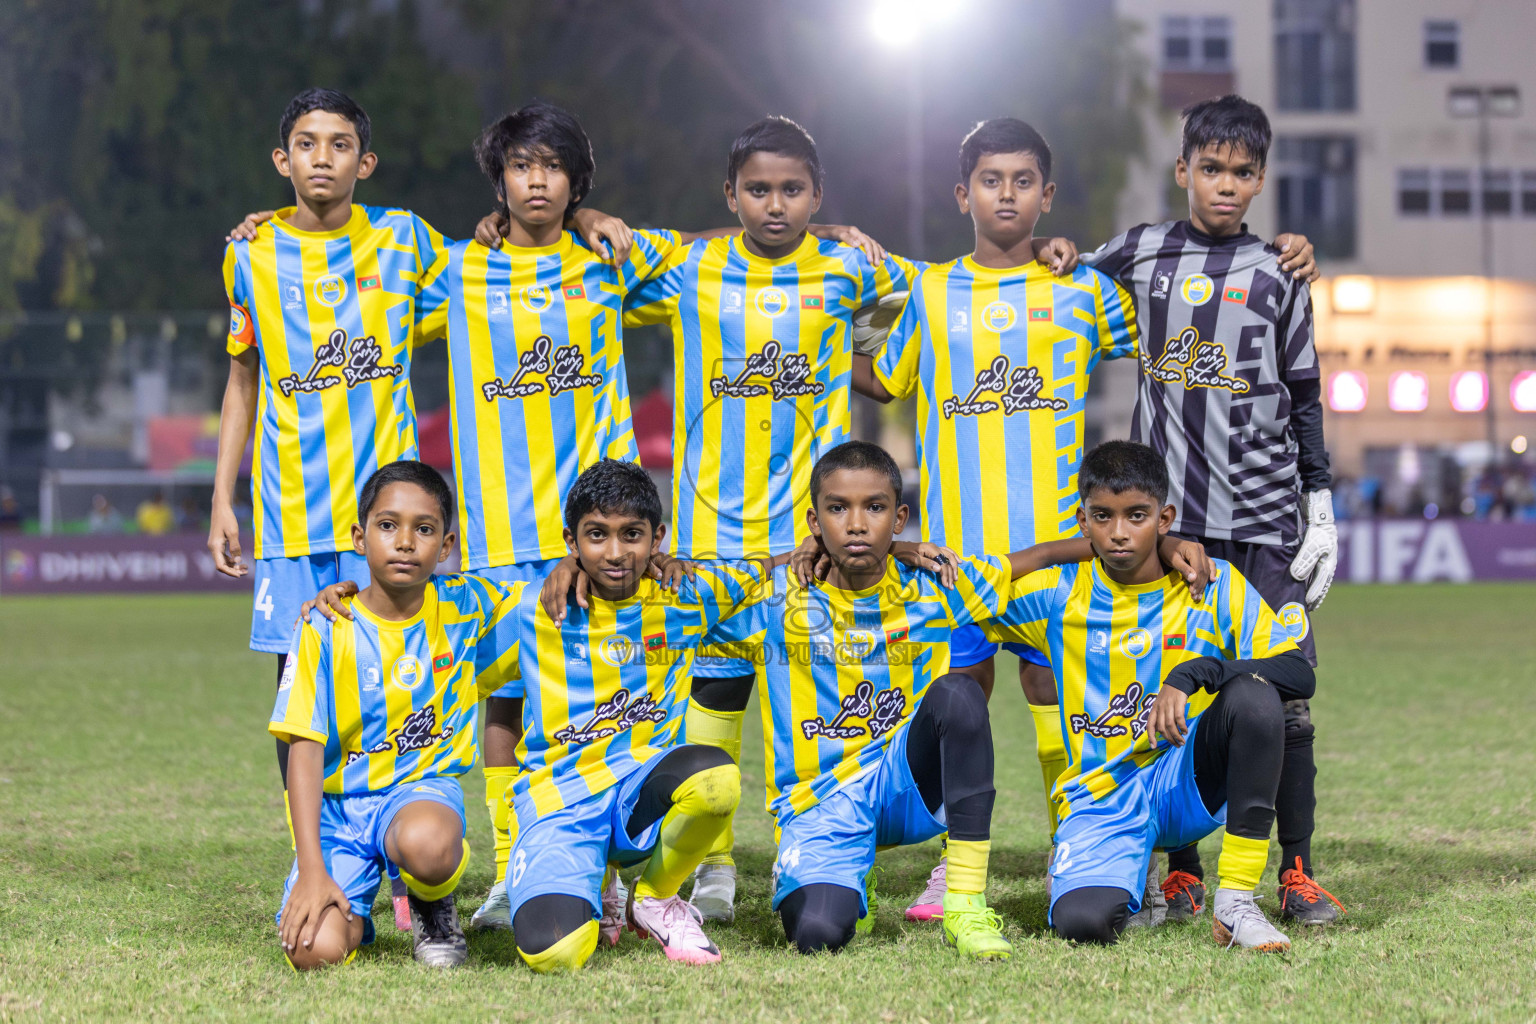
[935, 558]
[670, 572]
[1059, 254]
[809, 562]
[1296, 257]
[565, 577]
[334, 600]
[224, 543]
[245, 231]
[608, 235]
[1166, 719]
[491, 229]
[1188, 559]
[313, 891]
[852, 236]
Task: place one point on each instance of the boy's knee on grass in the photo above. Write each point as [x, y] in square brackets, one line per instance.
[1097, 914]
[714, 792]
[336, 939]
[427, 843]
[569, 953]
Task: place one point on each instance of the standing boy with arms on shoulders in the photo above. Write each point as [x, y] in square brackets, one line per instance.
[1131, 648]
[1231, 395]
[378, 707]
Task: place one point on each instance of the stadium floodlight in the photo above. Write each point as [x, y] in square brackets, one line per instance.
[1408, 391]
[1347, 391]
[1354, 293]
[897, 24]
[1469, 391]
[1522, 391]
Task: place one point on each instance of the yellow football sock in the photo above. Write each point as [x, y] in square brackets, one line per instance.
[717, 729]
[1242, 861]
[701, 809]
[569, 954]
[967, 871]
[1051, 749]
[437, 892]
[293, 844]
[497, 782]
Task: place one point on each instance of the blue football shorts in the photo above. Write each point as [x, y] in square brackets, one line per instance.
[284, 584]
[352, 830]
[835, 841]
[969, 646]
[533, 571]
[567, 851]
[1109, 841]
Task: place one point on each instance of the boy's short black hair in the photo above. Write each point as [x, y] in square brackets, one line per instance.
[777, 135]
[538, 125]
[855, 455]
[1228, 121]
[331, 102]
[406, 471]
[613, 488]
[1122, 466]
[1002, 135]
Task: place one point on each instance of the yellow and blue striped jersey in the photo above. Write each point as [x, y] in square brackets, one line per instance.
[605, 690]
[394, 702]
[762, 369]
[1000, 361]
[845, 669]
[537, 385]
[333, 317]
[1111, 646]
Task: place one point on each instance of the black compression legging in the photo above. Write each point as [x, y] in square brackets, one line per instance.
[730, 694]
[545, 920]
[949, 752]
[1246, 719]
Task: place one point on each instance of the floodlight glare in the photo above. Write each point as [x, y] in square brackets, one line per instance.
[895, 24]
[1347, 391]
[1522, 391]
[1469, 391]
[1408, 391]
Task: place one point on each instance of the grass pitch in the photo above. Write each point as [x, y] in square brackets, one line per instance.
[142, 852]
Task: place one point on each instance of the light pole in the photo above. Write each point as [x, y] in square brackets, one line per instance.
[1485, 102]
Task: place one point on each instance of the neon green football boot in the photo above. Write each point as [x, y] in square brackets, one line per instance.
[867, 922]
[974, 928]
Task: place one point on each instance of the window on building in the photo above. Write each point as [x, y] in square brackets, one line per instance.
[1315, 54]
[1413, 192]
[1455, 193]
[1316, 183]
[1528, 193]
[1197, 44]
[1442, 44]
[1498, 193]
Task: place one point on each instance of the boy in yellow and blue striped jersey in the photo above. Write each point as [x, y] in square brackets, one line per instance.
[1152, 760]
[379, 707]
[323, 318]
[999, 351]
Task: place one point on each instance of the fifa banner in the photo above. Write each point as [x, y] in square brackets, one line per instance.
[1429, 551]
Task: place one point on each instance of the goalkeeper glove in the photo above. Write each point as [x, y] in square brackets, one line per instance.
[1318, 556]
[872, 324]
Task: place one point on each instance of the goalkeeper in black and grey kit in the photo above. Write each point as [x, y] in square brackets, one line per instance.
[1230, 395]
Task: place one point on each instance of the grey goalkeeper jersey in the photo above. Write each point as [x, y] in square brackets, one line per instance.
[1224, 331]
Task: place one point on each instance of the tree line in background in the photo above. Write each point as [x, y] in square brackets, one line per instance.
[133, 133]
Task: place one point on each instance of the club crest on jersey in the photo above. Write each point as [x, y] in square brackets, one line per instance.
[881, 714]
[1019, 389]
[612, 717]
[1135, 642]
[1197, 289]
[1134, 705]
[536, 298]
[772, 301]
[998, 316]
[407, 672]
[1199, 364]
[1293, 616]
[562, 369]
[330, 290]
[360, 360]
[617, 650]
[787, 376]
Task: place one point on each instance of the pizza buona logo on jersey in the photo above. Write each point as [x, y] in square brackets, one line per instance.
[418, 731]
[771, 301]
[563, 369]
[882, 713]
[330, 290]
[1197, 289]
[1133, 706]
[360, 360]
[408, 672]
[611, 717]
[998, 316]
[1293, 616]
[1197, 363]
[1018, 389]
[783, 374]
